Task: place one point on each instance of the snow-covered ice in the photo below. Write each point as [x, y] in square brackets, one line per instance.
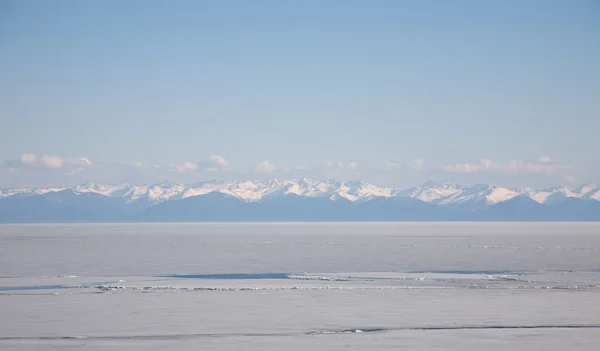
[303, 286]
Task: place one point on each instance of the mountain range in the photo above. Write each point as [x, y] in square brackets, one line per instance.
[296, 200]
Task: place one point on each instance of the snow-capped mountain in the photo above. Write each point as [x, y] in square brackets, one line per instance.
[439, 194]
[302, 199]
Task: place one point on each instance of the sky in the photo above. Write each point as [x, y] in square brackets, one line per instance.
[393, 92]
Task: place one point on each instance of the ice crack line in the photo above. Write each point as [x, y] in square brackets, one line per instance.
[315, 332]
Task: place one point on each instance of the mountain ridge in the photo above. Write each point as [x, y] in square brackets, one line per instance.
[439, 193]
[297, 200]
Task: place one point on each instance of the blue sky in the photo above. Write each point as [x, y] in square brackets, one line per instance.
[390, 91]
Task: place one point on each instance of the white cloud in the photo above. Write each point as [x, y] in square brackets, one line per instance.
[28, 159]
[52, 161]
[264, 167]
[417, 164]
[185, 167]
[80, 161]
[462, 167]
[511, 166]
[52, 170]
[214, 163]
[337, 165]
[544, 159]
[58, 162]
[190, 166]
[219, 160]
[140, 164]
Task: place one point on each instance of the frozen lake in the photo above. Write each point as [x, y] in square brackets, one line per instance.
[461, 286]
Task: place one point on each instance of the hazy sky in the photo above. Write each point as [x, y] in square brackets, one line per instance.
[388, 91]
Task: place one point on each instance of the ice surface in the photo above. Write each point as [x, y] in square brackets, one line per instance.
[300, 286]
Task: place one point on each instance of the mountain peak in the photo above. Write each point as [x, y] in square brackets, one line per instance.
[168, 184]
[352, 190]
[304, 199]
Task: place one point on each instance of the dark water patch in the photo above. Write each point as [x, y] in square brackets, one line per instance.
[35, 287]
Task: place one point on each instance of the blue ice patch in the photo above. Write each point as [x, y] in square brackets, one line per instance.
[227, 276]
